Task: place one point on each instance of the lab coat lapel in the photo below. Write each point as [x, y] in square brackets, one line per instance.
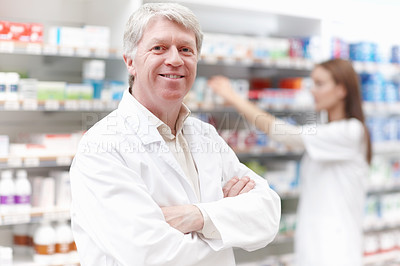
[168, 163]
[208, 164]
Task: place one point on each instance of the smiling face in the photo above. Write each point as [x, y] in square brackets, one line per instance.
[328, 95]
[165, 63]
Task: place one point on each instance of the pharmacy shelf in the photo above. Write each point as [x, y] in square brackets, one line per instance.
[382, 257]
[381, 108]
[28, 261]
[373, 67]
[56, 105]
[377, 189]
[281, 63]
[386, 148]
[380, 225]
[35, 162]
[270, 155]
[272, 108]
[20, 48]
[34, 215]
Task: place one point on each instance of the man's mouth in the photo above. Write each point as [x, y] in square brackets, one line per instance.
[172, 76]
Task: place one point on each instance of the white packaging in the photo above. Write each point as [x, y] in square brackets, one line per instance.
[7, 192]
[67, 36]
[2, 86]
[44, 241]
[64, 240]
[23, 192]
[46, 199]
[94, 70]
[12, 86]
[62, 188]
[97, 37]
[28, 89]
[21, 239]
[4, 145]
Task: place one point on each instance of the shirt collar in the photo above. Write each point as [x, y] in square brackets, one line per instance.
[163, 128]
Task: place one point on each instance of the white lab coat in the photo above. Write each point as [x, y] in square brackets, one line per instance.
[122, 174]
[333, 181]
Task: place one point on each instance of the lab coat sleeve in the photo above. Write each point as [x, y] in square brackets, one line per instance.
[112, 208]
[250, 220]
[335, 141]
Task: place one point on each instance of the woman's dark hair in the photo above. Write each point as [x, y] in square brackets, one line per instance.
[344, 74]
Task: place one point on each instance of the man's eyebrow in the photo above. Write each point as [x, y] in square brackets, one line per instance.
[182, 42]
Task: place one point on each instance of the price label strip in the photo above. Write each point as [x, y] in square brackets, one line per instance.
[11, 105]
[52, 105]
[50, 49]
[14, 162]
[71, 105]
[33, 48]
[32, 162]
[30, 104]
[7, 47]
[63, 161]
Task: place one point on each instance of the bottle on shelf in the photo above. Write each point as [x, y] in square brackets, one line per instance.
[7, 192]
[64, 239]
[44, 241]
[23, 192]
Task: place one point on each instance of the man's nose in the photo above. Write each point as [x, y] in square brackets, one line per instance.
[173, 57]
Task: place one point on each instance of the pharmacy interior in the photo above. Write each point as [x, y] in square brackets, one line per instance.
[61, 71]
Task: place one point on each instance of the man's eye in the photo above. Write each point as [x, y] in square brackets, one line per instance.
[186, 50]
[157, 48]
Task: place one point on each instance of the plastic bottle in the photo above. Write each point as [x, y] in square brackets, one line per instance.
[23, 192]
[7, 192]
[44, 241]
[21, 239]
[64, 239]
[12, 85]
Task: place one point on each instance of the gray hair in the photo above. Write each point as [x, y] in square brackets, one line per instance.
[139, 20]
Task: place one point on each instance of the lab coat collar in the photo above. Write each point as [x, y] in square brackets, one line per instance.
[138, 120]
[147, 126]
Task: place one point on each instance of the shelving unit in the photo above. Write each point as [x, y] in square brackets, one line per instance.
[56, 105]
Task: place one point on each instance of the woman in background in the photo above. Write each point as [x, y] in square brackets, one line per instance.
[333, 169]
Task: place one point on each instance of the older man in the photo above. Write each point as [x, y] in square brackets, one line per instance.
[152, 186]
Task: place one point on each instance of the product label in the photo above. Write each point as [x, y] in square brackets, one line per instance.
[2, 88]
[22, 199]
[13, 88]
[7, 200]
[21, 240]
[63, 248]
[44, 249]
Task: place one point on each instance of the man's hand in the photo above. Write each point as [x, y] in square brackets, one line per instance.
[185, 218]
[237, 186]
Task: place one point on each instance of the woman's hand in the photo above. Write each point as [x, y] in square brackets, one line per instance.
[222, 86]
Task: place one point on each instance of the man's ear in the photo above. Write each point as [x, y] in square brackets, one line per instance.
[129, 64]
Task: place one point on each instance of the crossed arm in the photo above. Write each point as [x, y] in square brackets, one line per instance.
[188, 218]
